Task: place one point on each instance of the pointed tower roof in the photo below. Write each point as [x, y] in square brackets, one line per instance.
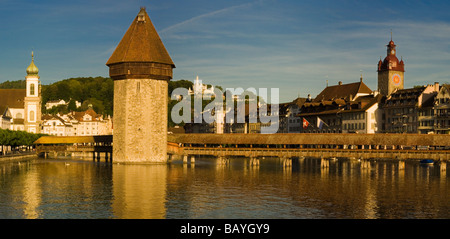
[391, 61]
[141, 43]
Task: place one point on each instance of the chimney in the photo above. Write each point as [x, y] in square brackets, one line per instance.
[436, 86]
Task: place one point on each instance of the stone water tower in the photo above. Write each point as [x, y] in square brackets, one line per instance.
[141, 69]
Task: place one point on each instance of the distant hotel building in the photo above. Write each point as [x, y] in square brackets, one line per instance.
[442, 110]
[198, 88]
[55, 103]
[410, 110]
[342, 108]
[86, 123]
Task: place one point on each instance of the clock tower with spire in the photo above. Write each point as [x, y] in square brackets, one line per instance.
[390, 71]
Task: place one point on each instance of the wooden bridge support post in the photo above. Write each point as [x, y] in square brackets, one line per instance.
[365, 164]
[401, 164]
[287, 162]
[443, 165]
[324, 163]
[222, 160]
[188, 159]
[254, 161]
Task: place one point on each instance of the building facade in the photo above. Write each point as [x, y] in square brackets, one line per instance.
[5, 117]
[55, 125]
[363, 116]
[324, 114]
[409, 110]
[85, 123]
[442, 110]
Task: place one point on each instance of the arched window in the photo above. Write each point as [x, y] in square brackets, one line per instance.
[31, 115]
[32, 89]
[19, 116]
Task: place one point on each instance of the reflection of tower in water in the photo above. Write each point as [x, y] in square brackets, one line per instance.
[139, 191]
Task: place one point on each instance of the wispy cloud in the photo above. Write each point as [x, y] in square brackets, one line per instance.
[206, 15]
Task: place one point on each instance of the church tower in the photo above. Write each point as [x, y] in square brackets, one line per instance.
[390, 71]
[141, 69]
[32, 101]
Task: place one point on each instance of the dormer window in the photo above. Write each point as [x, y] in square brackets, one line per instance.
[141, 18]
[141, 15]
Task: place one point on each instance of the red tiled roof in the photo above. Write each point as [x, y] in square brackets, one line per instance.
[342, 91]
[13, 98]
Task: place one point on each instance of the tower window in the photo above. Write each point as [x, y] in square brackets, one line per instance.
[31, 115]
[32, 89]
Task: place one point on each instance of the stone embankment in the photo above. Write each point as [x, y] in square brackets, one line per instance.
[17, 156]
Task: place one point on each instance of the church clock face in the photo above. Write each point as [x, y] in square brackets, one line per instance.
[396, 79]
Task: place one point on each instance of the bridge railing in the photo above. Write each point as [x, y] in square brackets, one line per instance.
[324, 152]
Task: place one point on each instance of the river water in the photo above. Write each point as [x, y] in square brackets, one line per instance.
[73, 188]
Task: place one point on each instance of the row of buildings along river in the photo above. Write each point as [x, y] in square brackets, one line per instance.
[355, 108]
[341, 108]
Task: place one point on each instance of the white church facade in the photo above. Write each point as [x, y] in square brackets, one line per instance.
[22, 107]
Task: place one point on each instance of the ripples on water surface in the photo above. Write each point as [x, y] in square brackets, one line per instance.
[67, 188]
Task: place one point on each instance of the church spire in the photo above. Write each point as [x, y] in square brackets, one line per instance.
[32, 69]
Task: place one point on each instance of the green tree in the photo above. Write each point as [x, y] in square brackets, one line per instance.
[72, 106]
[19, 84]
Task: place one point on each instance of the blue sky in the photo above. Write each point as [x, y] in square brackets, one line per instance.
[292, 45]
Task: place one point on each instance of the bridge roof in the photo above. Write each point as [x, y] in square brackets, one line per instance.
[303, 138]
[275, 139]
[73, 139]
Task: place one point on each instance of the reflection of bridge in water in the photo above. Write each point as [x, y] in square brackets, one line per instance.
[258, 146]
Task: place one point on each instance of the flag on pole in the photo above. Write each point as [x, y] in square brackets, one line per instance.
[320, 123]
[305, 123]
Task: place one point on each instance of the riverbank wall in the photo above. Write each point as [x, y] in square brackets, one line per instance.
[17, 157]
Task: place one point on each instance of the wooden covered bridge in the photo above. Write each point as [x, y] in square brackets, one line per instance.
[395, 146]
[392, 146]
[96, 145]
